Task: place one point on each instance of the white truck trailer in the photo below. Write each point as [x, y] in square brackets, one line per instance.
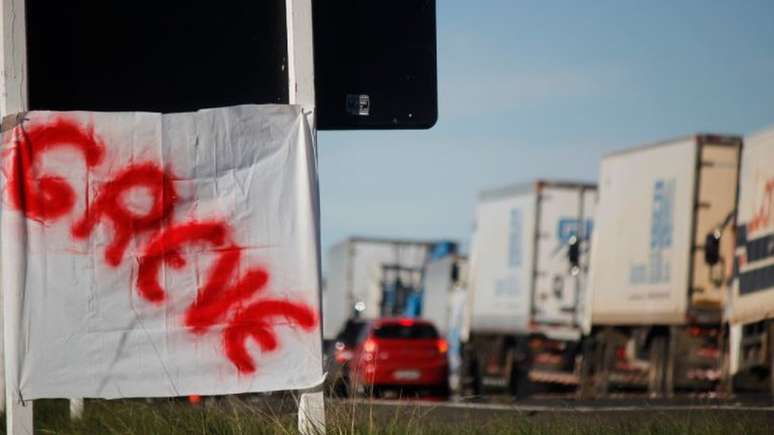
[656, 302]
[527, 285]
[359, 270]
[751, 311]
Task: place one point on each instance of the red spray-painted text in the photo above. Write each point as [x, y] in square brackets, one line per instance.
[223, 298]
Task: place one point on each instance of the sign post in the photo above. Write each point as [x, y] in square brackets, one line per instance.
[18, 412]
[206, 291]
[13, 99]
[311, 404]
[299, 63]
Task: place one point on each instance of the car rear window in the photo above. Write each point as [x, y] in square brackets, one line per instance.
[416, 331]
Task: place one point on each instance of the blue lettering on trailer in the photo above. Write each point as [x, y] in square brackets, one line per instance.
[568, 227]
[657, 269]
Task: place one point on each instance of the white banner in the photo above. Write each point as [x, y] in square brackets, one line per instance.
[161, 255]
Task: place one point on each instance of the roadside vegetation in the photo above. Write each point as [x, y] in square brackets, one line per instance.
[268, 415]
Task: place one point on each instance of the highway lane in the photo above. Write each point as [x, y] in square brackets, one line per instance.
[598, 405]
[630, 410]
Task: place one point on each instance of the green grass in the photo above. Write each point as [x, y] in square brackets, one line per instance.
[251, 415]
[164, 417]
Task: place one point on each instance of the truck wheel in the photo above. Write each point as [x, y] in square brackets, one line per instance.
[603, 362]
[477, 382]
[725, 384]
[519, 384]
[471, 379]
[586, 381]
[657, 357]
[670, 361]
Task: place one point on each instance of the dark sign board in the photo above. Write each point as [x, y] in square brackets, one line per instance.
[375, 61]
[151, 55]
[375, 64]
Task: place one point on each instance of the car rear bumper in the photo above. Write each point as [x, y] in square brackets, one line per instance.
[381, 374]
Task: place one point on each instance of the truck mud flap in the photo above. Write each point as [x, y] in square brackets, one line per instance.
[548, 377]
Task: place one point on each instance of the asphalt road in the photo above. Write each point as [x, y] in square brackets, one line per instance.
[613, 410]
[547, 411]
[621, 404]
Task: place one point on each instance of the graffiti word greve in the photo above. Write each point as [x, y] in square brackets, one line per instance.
[224, 296]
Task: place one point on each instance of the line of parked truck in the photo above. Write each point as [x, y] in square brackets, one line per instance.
[659, 279]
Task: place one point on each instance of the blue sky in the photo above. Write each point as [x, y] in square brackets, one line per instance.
[543, 89]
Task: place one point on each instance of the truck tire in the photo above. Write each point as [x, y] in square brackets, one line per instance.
[726, 385]
[471, 384]
[519, 365]
[477, 381]
[519, 385]
[657, 356]
[670, 361]
[586, 372]
[595, 369]
[605, 357]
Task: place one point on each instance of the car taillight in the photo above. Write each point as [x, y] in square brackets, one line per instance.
[343, 355]
[369, 350]
[369, 346]
[443, 346]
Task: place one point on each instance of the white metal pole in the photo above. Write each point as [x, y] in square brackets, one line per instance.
[76, 409]
[18, 413]
[13, 58]
[13, 99]
[734, 347]
[311, 404]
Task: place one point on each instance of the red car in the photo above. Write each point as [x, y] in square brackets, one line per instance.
[403, 355]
